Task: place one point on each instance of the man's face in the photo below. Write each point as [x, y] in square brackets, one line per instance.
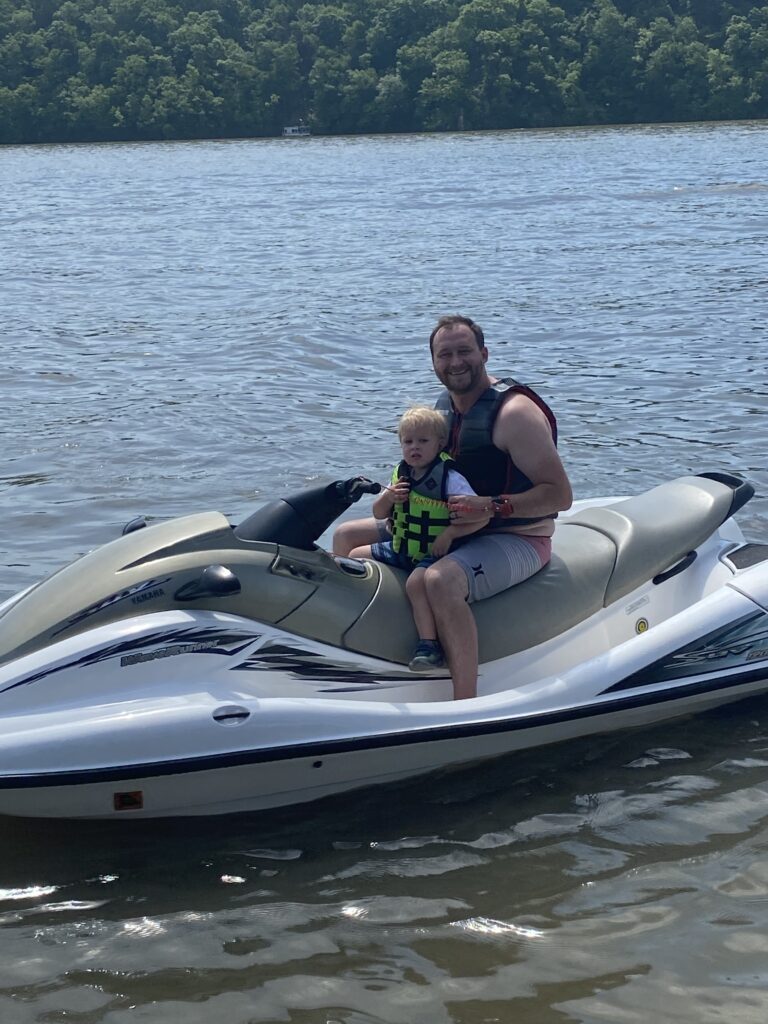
[458, 360]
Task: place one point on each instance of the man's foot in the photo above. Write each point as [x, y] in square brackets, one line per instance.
[427, 656]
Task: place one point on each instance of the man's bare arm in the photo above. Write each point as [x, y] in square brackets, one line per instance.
[522, 430]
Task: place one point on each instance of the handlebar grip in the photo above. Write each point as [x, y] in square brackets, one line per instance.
[363, 486]
[354, 489]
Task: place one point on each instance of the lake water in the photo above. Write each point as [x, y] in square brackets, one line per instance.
[204, 325]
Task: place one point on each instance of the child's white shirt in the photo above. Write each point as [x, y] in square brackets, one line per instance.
[457, 484]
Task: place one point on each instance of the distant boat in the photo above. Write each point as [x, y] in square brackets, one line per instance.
[296, 131]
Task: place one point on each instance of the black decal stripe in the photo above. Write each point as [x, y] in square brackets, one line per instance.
[185, 635]
[109, 601]
[725, 648]
[395, 683]
[429, 734]
[310, 667]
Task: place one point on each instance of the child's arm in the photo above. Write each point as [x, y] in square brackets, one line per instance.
[441, 546]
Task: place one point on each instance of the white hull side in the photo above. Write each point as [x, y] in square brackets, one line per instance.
[203, 713]
[284, 782]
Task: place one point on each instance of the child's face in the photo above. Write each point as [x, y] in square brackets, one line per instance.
[420, 447]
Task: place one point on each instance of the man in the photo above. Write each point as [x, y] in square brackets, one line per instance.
[503, 439]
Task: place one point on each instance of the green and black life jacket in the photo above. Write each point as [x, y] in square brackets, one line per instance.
[488, 469]
[419, 521]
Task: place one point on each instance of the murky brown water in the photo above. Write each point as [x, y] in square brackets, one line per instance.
[206, 325]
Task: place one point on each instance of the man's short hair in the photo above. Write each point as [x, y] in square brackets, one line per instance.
[456, 320]
[422, 417]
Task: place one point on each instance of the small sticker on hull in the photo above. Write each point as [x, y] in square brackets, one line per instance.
[131, 801]
[642, 626]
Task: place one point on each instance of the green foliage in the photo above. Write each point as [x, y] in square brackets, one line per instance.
[83, 70]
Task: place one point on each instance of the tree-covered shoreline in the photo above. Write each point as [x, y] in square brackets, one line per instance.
[82, 70]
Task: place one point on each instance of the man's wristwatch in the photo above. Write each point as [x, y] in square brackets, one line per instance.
[502, 506]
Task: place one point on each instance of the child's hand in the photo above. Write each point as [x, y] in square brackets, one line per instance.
[442, 545]
[400, 491]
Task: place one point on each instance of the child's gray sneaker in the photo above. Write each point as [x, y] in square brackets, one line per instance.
[427, 656]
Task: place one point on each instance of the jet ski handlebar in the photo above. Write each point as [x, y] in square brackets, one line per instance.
[353, 489]
[301, 518]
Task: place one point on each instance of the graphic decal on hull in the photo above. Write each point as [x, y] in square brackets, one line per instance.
[185, 640]
[214, 645]
[138, 593]
[737, 645]
[311, 667]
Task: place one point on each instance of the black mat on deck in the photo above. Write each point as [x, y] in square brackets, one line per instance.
[750, 554]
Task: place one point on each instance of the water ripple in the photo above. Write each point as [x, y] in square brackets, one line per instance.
[211, 324]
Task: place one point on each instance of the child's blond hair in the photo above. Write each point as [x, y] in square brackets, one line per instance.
[421, 417]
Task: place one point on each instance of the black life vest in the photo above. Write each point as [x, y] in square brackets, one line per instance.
[489, 470]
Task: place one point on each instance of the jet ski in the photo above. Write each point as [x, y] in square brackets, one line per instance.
[196, 667]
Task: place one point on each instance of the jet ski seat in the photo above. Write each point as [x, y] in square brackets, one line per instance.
[655, 530]
[599, 555]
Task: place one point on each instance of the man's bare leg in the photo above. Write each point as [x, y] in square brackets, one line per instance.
[447, 591]
[353, 534]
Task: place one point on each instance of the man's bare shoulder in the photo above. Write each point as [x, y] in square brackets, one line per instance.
[522, 425]
[519, 408]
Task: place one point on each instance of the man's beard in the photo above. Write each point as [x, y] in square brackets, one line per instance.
[463, 383]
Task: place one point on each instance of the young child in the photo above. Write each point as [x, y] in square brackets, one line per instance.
[416, 505]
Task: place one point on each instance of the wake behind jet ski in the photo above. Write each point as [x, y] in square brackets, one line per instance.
[199, 667]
